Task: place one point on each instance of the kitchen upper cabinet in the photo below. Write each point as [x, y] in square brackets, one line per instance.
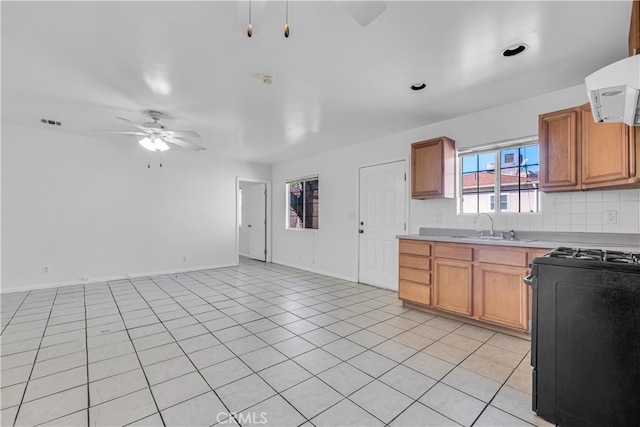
[558, 137]
[433, 169]
[608, 152]
[579, 154]
[634, 29]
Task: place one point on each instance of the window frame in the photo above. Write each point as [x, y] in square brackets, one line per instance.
[495, 148]
[288, 182]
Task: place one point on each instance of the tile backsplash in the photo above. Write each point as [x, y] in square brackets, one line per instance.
[581, 211]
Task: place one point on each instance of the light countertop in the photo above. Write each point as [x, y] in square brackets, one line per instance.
[532, 239]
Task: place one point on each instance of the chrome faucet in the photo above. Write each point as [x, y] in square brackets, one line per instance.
[490, 218]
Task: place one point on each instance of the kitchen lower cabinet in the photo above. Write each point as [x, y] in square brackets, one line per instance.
[479, 284]
[414, 273]
[452, 285]
[500, 295]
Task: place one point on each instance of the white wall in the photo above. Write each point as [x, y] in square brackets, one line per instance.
[333, 248]
[91, 207]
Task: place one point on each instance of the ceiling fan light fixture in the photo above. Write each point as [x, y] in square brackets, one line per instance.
[160, 144]
[155, 144]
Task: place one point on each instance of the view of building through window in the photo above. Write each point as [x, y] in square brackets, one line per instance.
[303, 203]
[509, 175]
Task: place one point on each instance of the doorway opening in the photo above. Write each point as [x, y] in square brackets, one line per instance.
[253, 231]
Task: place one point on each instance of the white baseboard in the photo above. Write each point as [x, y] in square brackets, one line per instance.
[6, 290]
[313, 270]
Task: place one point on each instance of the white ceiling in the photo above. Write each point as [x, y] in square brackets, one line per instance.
[337, 82]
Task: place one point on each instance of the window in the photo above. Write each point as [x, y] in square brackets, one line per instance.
[302, 203]
[505, 170]
[503, 202]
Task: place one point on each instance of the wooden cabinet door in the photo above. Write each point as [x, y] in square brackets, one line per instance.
[452, 285]
[558, 138]
[433, 169]
[634, 29]
[608, 156]
[500, 295]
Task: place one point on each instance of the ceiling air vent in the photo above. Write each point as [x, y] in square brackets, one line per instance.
[50, 122]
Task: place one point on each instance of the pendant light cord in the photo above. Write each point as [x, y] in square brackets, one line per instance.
[250, 28]
[286, 24]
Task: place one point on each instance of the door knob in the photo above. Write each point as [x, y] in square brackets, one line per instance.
[361, 231]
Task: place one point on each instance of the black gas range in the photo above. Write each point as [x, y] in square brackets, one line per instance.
[596, 255]
[585, 337]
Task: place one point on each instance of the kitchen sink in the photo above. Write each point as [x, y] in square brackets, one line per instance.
[492, 238]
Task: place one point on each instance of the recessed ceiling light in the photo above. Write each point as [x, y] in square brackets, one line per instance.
[514, 49]
[418, 86]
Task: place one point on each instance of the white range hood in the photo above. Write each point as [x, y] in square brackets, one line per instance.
[614, 92]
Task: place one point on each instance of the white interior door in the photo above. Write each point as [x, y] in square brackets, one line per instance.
[382, 218]
[257, 216]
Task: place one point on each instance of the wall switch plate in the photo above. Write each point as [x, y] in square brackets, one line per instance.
[610, 217]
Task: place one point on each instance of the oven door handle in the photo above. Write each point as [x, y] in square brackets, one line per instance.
[529, 279]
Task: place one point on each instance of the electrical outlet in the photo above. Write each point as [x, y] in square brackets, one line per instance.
[85, 277]
[184, 258]
[45, 270]
[610, 217]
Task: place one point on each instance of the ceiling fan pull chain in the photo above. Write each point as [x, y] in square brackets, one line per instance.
[286, 24]
[160, 155]
[149, 161]
[250, 28]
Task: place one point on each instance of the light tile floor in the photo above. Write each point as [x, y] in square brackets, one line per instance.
[257, 344]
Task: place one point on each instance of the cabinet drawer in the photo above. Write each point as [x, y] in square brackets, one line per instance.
[415, 275]
[414, 292]
[452, 251]
[415, 261]
[504, 256]
[415, 247]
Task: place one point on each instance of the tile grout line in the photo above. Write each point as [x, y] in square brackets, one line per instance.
[16, 311]
[246, 289]
[86, 345]
[15, 420]
[136, 353]
[177, 342]
[312, 374]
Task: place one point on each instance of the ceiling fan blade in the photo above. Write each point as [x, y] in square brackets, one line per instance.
[122, 132]
[182, 133]
[241, 18]
[184, 144]
[364, 12]
[131, 123]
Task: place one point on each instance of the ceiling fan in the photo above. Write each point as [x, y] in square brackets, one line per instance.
[252, 11]
[155, 136]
